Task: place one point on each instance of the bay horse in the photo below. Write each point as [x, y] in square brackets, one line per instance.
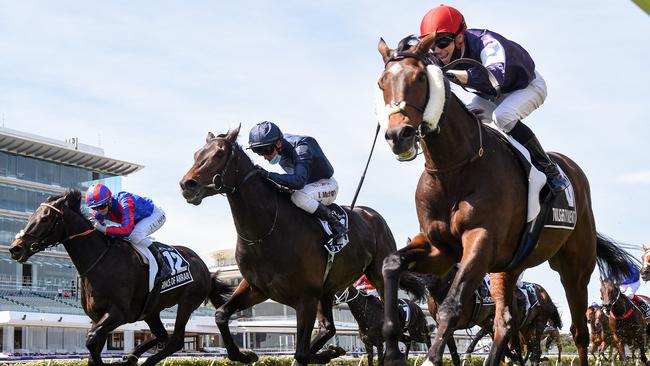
[471, 202]
[601, 337]
[368, 311]
[114, 280]
[626, 321]
[280, 250]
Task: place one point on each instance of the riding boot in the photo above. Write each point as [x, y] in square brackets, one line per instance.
[332, 218]
[556, 181]
[163, 266]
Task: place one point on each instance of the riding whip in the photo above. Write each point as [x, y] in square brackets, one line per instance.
[363, 176]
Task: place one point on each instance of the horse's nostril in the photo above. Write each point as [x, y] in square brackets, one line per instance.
[189, 184]
[406, 133]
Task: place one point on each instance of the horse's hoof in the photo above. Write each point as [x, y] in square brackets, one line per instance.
[130, 359]
[395, 360]
[338, 351]
[249, 356]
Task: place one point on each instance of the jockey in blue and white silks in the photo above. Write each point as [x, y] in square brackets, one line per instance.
[135, 217]
[631, 283]
[523, 87]
[308, 172]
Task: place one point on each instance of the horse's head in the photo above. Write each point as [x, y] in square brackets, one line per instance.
[45, 227]
[645, 264]
[215, 168]
[609, 294]
[414, 94]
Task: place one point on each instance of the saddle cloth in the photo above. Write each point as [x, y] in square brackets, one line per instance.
[543, 209]
[180, 267]
[332, 246]
[404, 313]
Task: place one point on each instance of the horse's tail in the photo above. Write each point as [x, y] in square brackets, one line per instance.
[219, 290]
[414, 285]
[613, 261]
[555, 319]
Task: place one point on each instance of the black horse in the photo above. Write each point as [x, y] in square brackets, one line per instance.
[368, 311]
[280, 250]
[114, 280]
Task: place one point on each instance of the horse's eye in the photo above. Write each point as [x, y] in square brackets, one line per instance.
[44, 219]
[422, 77]
[219, 153]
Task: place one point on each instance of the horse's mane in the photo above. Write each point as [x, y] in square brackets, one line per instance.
[73, 201]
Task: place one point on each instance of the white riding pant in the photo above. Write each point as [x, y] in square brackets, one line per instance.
[513, 106]
[630, 289]
[141, 241]
[321, 191]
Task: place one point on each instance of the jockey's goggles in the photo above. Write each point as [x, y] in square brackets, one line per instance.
[443, 41]
[264, 150]
[100, 207]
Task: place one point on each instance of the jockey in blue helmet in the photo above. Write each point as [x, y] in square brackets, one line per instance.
[308, 172]
[136, 218]
[523, 87]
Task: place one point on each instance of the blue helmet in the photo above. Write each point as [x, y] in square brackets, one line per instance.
[264, 133]
[97, 195]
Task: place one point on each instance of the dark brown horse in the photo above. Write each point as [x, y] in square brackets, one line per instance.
[368, 311]
[471, 202]
[280, 250]
[114, 280]
[626, 322]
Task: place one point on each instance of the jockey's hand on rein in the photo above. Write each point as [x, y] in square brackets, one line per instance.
[100, 227]
[457, 76]
[261, 171]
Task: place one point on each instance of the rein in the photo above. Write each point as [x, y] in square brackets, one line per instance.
[624, 316]
[275, 221]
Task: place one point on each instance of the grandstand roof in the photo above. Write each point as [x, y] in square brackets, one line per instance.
[67, 152]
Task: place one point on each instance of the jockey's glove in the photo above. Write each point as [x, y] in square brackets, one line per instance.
[100, 227]
[261, 171]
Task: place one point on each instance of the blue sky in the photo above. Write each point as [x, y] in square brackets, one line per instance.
[147, 80]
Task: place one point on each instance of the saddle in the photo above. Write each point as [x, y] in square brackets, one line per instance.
[544, 209]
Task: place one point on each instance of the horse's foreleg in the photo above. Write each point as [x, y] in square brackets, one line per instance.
[369, 354]
[96, 337]
[244, 297]
[502, 287]
[470, 273]
[453, 351]
[419, 249]
[326, 328]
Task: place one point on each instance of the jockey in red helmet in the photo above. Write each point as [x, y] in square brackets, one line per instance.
[523, 87]
[135, 217]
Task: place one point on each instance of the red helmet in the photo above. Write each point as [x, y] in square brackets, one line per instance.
[443, 19]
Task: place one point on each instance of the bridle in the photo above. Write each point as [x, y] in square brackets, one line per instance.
[220, 175]
[423, 128]
[610, 306]
[233, 188]
[40, 244]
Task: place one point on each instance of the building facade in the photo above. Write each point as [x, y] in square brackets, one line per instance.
[32, 168]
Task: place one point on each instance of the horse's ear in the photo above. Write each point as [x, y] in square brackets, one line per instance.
[232, 135]
[424, 46]
[73, 199]
[210, 137]
[384, 50]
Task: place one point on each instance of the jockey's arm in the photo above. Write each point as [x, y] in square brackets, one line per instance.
[125, 228]
[297, 180]
[493, 57]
